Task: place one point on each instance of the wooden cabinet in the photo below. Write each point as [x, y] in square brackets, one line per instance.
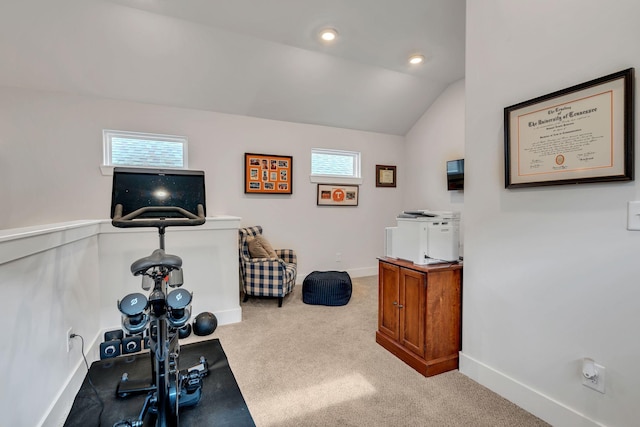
[419, 314]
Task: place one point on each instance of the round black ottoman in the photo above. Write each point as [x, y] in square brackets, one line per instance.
[327, 288]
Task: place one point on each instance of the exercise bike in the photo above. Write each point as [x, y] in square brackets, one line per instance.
[162, 314]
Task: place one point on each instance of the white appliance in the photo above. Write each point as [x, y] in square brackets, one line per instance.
[424, 237]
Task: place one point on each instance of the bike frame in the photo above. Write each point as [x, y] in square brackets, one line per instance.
[164, 393]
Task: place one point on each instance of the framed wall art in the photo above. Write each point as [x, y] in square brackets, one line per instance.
[385, 176]
[337, 195]
[268, 174]
[576, 135]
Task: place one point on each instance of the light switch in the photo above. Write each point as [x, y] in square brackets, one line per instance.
[633, 216]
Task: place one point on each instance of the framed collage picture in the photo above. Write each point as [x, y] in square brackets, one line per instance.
[268, 174]
[337, 195]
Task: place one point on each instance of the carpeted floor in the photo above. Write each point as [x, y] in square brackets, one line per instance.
[308, 365]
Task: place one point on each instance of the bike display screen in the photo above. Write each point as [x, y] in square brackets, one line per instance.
[136, 188]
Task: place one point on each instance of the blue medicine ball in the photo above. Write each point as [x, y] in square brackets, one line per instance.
[205, 323]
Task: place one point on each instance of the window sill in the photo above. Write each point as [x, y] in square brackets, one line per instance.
[106, 170]
[325, 179]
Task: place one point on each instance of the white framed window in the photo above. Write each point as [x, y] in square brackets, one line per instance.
[137, 149]
[335, 166]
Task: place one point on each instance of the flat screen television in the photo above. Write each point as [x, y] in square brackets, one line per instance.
[455, 174]
[136, 188]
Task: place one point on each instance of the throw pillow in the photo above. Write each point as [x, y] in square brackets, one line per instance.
[259, 247]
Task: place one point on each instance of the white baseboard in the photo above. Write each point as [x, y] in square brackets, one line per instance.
[354, 272]
[538, 404]
[364, 271]
[227, 317]
[59, 409]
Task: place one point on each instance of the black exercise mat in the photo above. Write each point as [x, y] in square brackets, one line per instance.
[221, 404]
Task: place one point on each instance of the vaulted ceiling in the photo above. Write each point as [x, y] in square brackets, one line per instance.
[259, 58]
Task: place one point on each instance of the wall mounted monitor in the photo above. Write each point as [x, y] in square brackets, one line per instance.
[455, 174]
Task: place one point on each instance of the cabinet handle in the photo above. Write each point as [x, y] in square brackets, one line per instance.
[395, 303]
[400, 306]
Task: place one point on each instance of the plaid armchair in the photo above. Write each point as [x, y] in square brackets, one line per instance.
[266, 277]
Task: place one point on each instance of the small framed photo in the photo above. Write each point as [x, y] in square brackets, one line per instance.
[385, 176]
[337, 195]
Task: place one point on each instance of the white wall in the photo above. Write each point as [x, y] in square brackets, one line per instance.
[437, 137]
[48, 282]
[55, 143]
[551, 273]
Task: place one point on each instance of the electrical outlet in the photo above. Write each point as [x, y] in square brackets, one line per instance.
[69, 340]
[633, 216]
[596, 381]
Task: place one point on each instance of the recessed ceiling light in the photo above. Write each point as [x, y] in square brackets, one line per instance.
[416, 59]
[328, 34]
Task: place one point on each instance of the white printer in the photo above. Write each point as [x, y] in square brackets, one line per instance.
[424, 237]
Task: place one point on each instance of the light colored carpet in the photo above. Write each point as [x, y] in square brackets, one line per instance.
[310, 365]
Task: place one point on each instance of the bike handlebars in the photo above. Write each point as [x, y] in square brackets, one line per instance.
[133, 219]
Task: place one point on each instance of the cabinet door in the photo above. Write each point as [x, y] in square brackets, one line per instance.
[412, 310]
[388, 299]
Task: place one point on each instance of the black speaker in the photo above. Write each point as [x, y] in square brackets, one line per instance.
[109, 349]
[132, 344]
[116, 334]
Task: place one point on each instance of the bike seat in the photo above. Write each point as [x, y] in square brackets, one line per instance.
[157, 259]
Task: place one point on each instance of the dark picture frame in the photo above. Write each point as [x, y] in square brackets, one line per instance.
[581, 134]
[268, 174]
[385, 176]
[337, 195]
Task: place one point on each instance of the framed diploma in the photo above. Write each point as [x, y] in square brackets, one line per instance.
[572, 136]
[385, 176]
